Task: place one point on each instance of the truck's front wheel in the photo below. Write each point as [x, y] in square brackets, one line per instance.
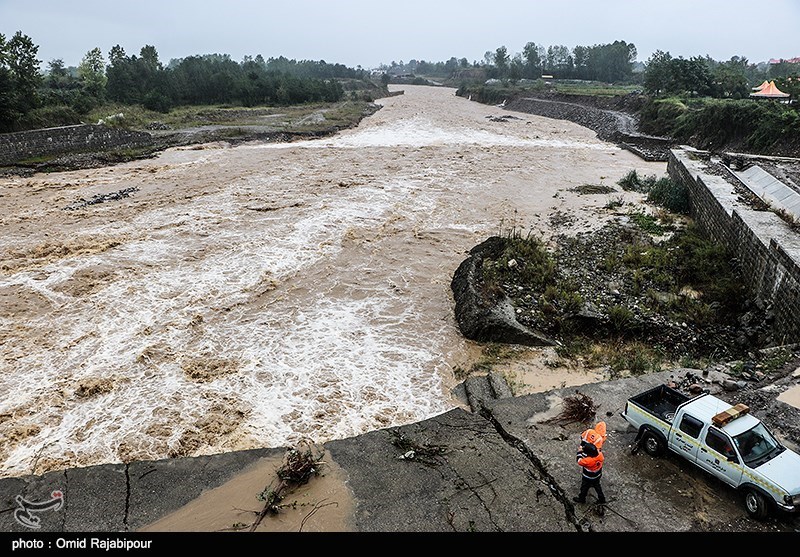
[756, 504]
[652, 443]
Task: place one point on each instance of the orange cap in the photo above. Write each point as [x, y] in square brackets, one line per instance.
[595, 436]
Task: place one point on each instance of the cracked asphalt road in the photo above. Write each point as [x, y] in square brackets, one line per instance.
[503, 469]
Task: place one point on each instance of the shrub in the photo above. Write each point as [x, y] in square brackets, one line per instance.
[659, 117]
[620, 318]
[630, 182]
[633, 182]
[50, 117]
[534, 265]
[673, 196]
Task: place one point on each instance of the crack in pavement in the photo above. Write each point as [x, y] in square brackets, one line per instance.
[557, 491]
[127, 496]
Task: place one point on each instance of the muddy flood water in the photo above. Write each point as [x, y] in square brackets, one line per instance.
[258, 295]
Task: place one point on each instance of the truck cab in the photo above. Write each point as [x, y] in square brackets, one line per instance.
[724, 440]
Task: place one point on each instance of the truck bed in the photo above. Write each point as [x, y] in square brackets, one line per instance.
[661, 401]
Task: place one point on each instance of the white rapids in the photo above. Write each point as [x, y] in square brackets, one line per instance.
[255, 296]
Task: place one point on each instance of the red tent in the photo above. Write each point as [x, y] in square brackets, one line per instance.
[770, 92]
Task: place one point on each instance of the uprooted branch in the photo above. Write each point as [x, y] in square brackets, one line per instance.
[299, 466]
[579, 408]
[424, 453]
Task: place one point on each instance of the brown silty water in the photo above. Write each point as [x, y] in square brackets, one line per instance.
[264, 294]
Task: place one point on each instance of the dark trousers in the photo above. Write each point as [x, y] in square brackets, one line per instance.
[587, 483]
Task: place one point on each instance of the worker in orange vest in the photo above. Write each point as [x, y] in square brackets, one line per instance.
[590, 459]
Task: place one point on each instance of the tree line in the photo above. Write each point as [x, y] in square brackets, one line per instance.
[601, 62]
[661, 75]
[698, 76]
[60, 94]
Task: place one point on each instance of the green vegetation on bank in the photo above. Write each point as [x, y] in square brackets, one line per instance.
[753, 126]
[632, 296]
[31, 98]
[309, 117]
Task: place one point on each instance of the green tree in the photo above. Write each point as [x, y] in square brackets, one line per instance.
[24, 66]
[690, 76]
[56, 73]
[657, 72]
[20, 79]
[92, 74]
[581, 59]
[60, 88]
[789, 84]
[149, 56]
[121, 84]
[783, 69]
[501, 61]
[532, 55]
[730, 78]
[7, 112]
[559, 61]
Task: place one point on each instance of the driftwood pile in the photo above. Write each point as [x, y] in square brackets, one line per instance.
[579, 408]
[299, 466]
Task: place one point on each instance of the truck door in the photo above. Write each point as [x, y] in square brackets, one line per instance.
[715, 456]
[685, 438]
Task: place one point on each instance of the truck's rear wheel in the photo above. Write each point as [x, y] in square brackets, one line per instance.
[756, 504]
[652, 443]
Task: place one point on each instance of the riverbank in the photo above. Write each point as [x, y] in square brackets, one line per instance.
[233, 126]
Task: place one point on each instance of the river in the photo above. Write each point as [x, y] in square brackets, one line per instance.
[259, 295]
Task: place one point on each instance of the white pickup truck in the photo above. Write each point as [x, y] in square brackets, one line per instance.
[722, 439]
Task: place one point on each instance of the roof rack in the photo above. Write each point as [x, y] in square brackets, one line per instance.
[730, 414]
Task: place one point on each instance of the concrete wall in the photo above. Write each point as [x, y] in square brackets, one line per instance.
[20, 146]
[767, 249]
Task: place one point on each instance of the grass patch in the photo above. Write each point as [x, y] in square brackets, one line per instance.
[648, 223]
[615, 202]
[296, 118]
[524, 259]
[594, 88]
[634, 357]
[592, 189]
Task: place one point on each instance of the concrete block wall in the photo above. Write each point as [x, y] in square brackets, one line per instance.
[20, 146]
[788, 291]
[754, 259]
[767, 250]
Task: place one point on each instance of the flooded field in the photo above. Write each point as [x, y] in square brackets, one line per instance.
[259, 295]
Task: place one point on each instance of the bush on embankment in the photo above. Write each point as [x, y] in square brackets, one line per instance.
[763, 127]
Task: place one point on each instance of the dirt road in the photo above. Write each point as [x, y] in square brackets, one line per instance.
[254, 296]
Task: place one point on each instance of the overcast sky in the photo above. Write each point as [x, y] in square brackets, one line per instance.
[367, 34]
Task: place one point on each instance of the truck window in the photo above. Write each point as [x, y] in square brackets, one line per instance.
[691, 426]
[719, 442]
[757, 445]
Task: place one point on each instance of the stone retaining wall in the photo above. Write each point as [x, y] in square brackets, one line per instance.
[20, 146]
[767, 249]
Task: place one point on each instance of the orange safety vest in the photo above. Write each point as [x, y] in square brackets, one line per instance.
[592, 465]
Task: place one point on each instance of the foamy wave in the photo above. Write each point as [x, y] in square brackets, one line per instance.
[421, 132]
[185, 332]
